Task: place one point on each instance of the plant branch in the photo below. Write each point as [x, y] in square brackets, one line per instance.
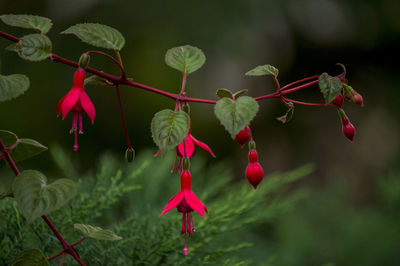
[79, 241]
[123, 75]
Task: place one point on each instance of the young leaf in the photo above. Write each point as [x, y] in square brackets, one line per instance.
[98, 35]
[38, 23]
[288, 115]
[97, 232]
[8, 138]
[26, 148]
[94, 80]
[12, 86]
[30, 257]
[330, 87]
[34, 47]
[185, 58]
[239, 93]
[36, 198]
[169, 128]
[263, 70]
[235, 115]
[221, 93]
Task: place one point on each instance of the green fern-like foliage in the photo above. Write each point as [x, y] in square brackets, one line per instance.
[128, 198]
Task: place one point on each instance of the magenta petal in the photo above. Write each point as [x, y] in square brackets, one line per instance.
[188, 145]
[87, 105]
[194, 202]
[173, 202]
[203, 146]
[69, 101]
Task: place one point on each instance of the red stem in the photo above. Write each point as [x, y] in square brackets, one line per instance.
[79, 241]
[299, 87]
[299, 81]
[306, 103]
[55, 256]
[123, 75]
[128, 141]
[7, 156]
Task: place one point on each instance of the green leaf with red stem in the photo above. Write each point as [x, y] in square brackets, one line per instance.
[33, 47]
[36, 198]
[12, 86]
[186, 59]
[263, 70]
[97, 232]
[98, 35]
[235, 115]
[30, 257]
[169, 128]
[38, 23]
[330, 87]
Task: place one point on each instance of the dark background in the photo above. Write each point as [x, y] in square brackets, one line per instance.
[300, 38]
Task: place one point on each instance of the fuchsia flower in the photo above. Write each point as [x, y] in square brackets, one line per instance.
[187, 147]
[348, 129]
[254, 171]
[186, 202]
[77, 101]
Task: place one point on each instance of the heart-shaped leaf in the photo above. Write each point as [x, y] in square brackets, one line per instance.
[263, 70]
[235, 115]
[33, 47]
[185, 58]
[98, 35]
[330, 87]
[221, 93]
[36, 198]
[97, 232]
[12, 86]
[38, 23]
[169, 128]
[30, 257]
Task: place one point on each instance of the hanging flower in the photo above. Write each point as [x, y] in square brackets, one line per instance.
[243, 136]
[254, 171]
[77, 101]
[186, 202]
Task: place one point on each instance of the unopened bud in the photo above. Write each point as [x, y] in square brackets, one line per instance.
[84, 60]
[243, 136]
[253, 156]
[254, 174]
[338, 101]
[358, 99]
[129, 154]
[349, 131]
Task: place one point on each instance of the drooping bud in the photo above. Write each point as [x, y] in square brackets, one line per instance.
[243, 136]
[338, 101]
[358, 99]
[253, 156]
[84, 60]
[349, 131]
[254, 174]
[129, 154]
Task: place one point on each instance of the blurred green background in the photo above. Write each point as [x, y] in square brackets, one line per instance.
[300, 38]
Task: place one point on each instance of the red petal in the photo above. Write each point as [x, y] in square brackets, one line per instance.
[59, 105]
[87, 105]
[194, 202]
[173, 202]
[158, 153]
[188, 145]
[203, 146]
[69, 101]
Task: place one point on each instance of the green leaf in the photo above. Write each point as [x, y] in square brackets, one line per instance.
[221, 93]
[97, 35]
[239, 93]
[185, 58]
[8, 138]
[97, 232]
[169, 128]
[26, 148]
[288, 115]
[235, 115]
[30, 257]
[330, 87]
[12, 86]
[36, 198]
[263, 70]
[94, 80]
[38, 23]
[34, 47]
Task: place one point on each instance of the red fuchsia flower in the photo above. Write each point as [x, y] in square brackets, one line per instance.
[338, 101]
[348, 129]
[186, 202]
[77, 101]
[243, 136]
[254, 171]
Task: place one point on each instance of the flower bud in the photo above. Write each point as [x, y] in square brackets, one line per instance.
[349, 131]
[84, 60]
[345, 121]
[253, 156]
[254, 174]
[129, 154]
[358, 99]
[243, 136]
[338, 101]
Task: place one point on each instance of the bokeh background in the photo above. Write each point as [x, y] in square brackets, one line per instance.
[300, 38]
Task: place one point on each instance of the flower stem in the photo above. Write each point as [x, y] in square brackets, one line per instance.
[123, 75]
[79, 241]
[299, 81]
[128, 141]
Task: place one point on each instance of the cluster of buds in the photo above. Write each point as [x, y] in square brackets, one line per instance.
[352, 95]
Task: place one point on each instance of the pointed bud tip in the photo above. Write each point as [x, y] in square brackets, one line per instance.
[129, 154]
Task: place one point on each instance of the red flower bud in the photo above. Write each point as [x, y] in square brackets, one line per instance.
[254, 174]
[253, 156]
[243, 136]
[338, 101]
[349, 131]
[358, 99]
[345, 121]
